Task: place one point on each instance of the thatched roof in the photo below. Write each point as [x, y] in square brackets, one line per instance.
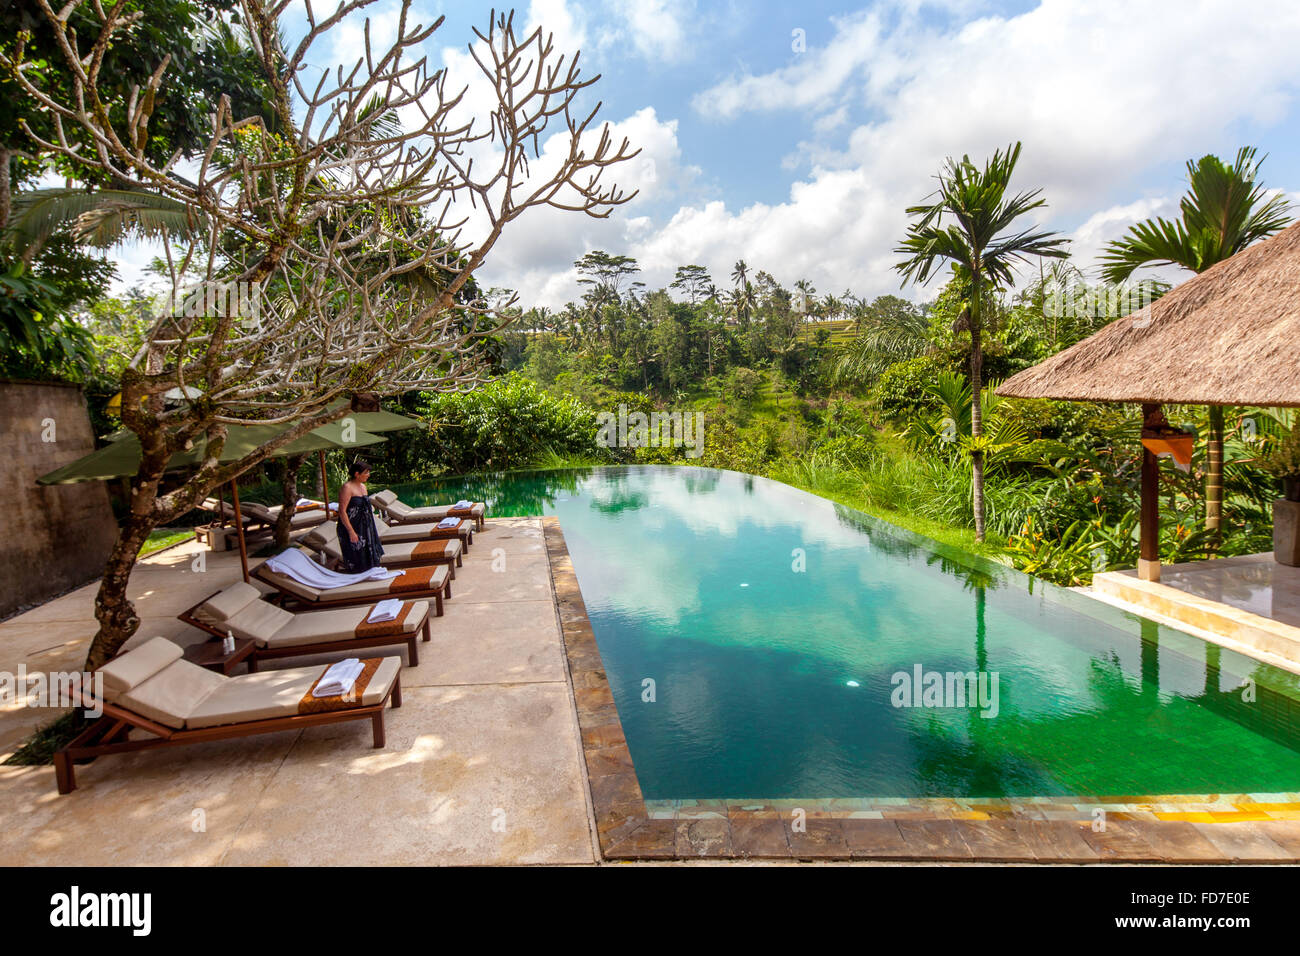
[1229, 336]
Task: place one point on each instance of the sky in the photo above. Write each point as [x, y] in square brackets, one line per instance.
[794, 136]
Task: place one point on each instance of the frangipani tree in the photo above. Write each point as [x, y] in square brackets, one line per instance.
[332, 258]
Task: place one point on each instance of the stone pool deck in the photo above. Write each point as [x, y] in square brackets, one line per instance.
[482, 763]
[508, 750]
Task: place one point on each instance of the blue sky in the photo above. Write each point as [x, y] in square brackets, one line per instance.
[802, 161]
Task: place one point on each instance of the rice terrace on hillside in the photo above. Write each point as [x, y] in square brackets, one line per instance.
[602, 435]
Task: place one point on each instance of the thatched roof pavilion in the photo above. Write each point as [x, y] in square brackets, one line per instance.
[1229, 336]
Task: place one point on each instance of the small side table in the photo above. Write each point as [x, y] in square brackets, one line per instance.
[210, 655]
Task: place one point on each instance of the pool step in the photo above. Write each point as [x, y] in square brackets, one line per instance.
[1260, 637]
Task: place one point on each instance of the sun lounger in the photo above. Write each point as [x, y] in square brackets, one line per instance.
[397, 554]
[151, 690]
[278, 633]
[226, 512]
[261, 514]
[427, 581]
[395, 534]
[396, 512]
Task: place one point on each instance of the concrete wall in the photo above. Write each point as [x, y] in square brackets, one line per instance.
[56, 537]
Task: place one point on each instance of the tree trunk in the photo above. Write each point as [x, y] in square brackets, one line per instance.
[5, 180]
[114, 612]
[976, 412]
[1214, 477]
[289, 500]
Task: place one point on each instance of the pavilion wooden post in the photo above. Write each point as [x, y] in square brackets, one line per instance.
[239, 527]
[1149, 525]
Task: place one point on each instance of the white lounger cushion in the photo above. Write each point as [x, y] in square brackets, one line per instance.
[267, 694]
[401, 510]
[375, 589]
[225, 604]
[137, 665]
[260, 621]
[301, 519]
[272, 626]
[326, 540]
[434, 512]
[183, 694]
[392, 534]
[338, 624]
[172, 694]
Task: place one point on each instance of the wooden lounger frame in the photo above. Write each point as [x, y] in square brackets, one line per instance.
[108, 734]
[287, 598]
[320, 647]
[335, 564]
[392, 519]
[435, 534]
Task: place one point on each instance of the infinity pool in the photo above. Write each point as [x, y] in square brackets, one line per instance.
[758, 639]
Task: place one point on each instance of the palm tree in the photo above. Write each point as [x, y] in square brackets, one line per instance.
[982, 252]
[742, 303]
[1224, 211]
[740, 273]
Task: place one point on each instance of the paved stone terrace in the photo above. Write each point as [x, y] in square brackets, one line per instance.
[482, 763]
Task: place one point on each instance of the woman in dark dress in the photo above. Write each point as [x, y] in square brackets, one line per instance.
[358, 536]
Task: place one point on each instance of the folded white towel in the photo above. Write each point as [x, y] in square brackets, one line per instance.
[448, 522]
[339, 678]
[297, 565]
[462, 505]
[385, 611]
[306, 501]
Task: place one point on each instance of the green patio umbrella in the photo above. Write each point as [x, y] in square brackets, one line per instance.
[120, 458]
[374, 422]
[117, 459]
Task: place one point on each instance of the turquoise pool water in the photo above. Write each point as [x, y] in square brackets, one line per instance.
[774, 626]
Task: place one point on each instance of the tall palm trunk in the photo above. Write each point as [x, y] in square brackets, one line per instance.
[976, 410]
[1214, 476]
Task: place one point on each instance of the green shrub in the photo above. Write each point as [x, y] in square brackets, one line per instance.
[904, 388]
[508, 423]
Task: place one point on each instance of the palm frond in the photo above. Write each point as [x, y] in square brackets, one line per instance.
[1225, 209]
[100, 218]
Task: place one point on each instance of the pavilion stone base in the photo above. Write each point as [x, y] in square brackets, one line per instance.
[1286, 532]
[1148, 570]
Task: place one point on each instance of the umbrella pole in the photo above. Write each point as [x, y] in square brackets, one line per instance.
[239, 528]
[324, 482]
[1149, 525]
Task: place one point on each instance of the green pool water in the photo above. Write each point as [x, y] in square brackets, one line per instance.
[774, 625]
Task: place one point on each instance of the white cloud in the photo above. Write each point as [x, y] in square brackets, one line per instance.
[1100, 95]
[556, 18]
[1097, 95]
[535, 255]
[659, 30]
[811, 82]
[1089, 238]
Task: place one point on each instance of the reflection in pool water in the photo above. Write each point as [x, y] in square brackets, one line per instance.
[774, 625]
